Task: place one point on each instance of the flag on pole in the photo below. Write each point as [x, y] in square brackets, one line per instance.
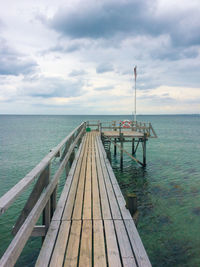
[135, 72]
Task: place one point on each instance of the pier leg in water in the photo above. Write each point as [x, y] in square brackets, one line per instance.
[144, 149]
[121, 152]
[115, 148]
[133, 146]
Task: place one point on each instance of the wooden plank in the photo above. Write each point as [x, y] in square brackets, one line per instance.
[15, 191]
[67, 214]
[78, 204]
[57, 258]
[38, 188]
[48, 244]
[124, 245]
[74, 171]
[111, 245]
[39, 230]
[119, 196]
[136, 242]
[87, 205]
[47, 210]
[120, 199]
[106, 214]
[111, 195]
[85, 258]
[16, 246]
[95, 186]
[138, 248]
[99, 245]
[72, 251]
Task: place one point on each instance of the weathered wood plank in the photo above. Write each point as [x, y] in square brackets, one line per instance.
[124, 245]
[99, 253]
[67, 214]
[111, 195]
[87, 205]
[106, 213]
[111, 244]
[72, 252]
[138, 248]
[74, 172]
[78, 204]
[38, 188]
[119, 196]
[95, 186]
[48, 245]
[85, 258]
[57, 258]
[39, 230]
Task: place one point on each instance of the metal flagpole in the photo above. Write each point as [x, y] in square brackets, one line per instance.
[135, 73]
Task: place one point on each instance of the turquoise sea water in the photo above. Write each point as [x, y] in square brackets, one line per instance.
[168, 189]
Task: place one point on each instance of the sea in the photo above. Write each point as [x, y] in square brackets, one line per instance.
[168, 189]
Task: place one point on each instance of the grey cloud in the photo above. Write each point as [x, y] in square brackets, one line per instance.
[103, 20]
[14, 63]
[104, 88]
[75, 73]
[49, 87]
[64, 48]
[131, 17]
[104, 67]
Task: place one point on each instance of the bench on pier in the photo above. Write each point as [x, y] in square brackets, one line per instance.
[91, 225]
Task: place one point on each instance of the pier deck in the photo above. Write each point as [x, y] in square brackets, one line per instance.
[91, 225]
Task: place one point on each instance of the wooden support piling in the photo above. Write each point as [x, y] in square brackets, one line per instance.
[121, 151]
[133, 146]
[115, 147]
[131, 203]
[144, 149]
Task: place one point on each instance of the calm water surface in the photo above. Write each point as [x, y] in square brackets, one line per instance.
[168, 189]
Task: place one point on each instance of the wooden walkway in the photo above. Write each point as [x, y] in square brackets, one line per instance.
[91, 225]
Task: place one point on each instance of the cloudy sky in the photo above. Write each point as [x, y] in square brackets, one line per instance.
[77, 57]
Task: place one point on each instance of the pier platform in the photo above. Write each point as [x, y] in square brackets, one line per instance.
[90, 224]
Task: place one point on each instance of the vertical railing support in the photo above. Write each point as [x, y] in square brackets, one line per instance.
[47, 210]
[121, 152]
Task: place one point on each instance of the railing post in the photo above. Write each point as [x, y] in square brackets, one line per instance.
[47, 212]
[121, 152]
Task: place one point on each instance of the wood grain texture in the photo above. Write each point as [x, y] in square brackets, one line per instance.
[85, 258]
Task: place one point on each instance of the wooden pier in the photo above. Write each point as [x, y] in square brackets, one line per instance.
[90, 225]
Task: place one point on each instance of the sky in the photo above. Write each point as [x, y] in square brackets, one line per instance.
[78, 57]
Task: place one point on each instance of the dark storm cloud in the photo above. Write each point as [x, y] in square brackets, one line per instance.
[127, 18]
[103, 20]
[14, 63]
[49, 87]
[104, 67]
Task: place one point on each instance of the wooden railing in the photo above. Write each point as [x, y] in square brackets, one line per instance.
[117, 125]
[42, 199]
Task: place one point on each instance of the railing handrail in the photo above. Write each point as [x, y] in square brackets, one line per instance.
[16, 246]
[7, 199]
